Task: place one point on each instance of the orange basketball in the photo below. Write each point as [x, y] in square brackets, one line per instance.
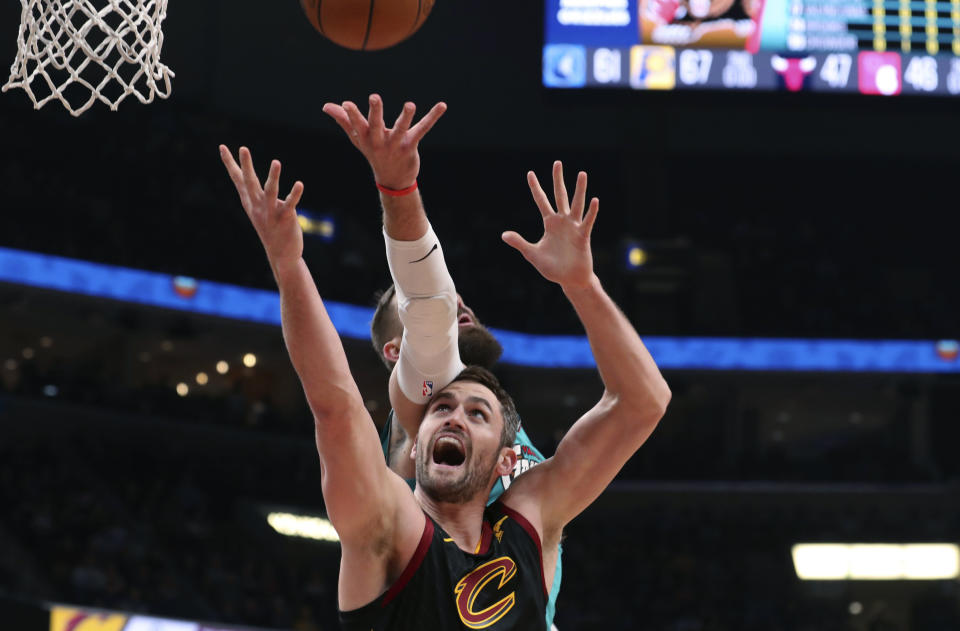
[367, 24]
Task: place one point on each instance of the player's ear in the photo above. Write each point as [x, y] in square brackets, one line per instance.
[391, 350]
[507, 461]
[413, 451]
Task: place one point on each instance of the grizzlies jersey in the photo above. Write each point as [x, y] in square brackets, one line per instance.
[528, 457]
[443, 588]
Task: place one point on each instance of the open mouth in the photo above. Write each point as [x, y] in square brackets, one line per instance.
[448, 450]
[465, 320]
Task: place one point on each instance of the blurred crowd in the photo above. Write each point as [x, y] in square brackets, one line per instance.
[735, 247]
[131, 513]
[881, 429]
[144, 522]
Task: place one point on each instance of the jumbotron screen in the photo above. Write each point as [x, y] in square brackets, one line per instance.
[883, 47]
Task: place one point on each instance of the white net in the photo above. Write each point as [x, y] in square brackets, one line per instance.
[79, 53]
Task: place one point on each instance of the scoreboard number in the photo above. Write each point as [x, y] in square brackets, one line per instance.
[953, 79]
[921, 73]
[695, 66]
[835, 71]
[607, 65]
[739, 71]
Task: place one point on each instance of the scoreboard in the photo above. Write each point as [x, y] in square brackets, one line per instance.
[882, 47]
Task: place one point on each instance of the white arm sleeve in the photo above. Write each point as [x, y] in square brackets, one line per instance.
[427, 305]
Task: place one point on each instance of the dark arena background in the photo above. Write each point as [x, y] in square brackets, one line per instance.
[790, 259]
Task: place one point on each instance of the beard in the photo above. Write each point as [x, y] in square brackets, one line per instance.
[473, 478]
[478, 347]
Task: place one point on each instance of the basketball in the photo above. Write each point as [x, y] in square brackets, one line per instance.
[367, 24]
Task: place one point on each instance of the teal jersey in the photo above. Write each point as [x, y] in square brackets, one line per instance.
[528, 457]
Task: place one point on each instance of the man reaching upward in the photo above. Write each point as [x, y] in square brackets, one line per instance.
[421, 329]
[430, 557]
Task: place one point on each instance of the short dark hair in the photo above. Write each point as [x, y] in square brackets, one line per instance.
[385, 324]
[511, 419]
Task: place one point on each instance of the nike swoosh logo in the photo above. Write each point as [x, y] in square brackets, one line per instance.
[432, 250]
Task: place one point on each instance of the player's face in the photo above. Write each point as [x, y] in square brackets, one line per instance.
[477, 344]
[458, 445]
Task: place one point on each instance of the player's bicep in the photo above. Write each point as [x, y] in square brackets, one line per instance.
[587, 459]
[355, 479]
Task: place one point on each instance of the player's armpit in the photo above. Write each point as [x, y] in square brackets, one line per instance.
[370, 565]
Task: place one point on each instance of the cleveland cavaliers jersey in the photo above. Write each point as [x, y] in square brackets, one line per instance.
[528, 457]
[499, 587]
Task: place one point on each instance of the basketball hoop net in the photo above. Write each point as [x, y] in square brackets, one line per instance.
[74, 52]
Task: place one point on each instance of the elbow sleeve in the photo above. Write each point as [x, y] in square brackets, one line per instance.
[427, 306]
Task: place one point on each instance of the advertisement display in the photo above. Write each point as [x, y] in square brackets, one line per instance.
[64, 618]
[875, 47]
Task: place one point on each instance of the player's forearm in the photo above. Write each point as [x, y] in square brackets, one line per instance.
[313, 343]
[427, 307]
[626, 367]
[404, 218]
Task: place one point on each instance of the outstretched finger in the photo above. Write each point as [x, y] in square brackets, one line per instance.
[250, 179]
[403, 121]
[560, 189]
[579, 197]
[357, 120]
[539, 196]
[375, 118]
[233, 169]
[518, 243]
[339, 115]
[591, 215]
[290, 203]
[426, 123]
[272, 187]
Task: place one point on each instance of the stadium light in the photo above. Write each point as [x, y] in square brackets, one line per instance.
[859, 561]
[303, 526]
[635, 255]
[249, 360]
[323, 226]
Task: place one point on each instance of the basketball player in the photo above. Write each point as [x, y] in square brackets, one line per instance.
[426, 342]
[437, 557]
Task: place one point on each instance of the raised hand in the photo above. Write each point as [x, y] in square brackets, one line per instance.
[275, 220]
[562, 254]
[392, 153]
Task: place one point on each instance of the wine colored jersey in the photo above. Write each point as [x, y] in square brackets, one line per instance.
[528, 457]
[499, 587]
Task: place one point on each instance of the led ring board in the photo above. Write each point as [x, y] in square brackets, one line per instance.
[877, 47]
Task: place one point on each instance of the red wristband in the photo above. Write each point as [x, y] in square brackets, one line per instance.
[392, 192]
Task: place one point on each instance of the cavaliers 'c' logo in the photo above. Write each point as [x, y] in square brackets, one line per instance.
[473, 583]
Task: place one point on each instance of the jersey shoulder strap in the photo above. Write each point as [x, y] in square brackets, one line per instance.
[386, 433]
